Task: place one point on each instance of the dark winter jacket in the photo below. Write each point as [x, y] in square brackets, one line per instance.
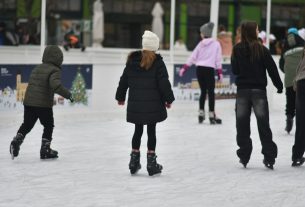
[148, 90]
[45, 80]
[291, 56]
[252, 74]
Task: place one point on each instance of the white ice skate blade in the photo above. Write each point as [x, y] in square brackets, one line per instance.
[48, 159]
[12, 152]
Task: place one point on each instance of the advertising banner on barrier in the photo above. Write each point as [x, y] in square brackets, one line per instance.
[187, 86]
[14, 80]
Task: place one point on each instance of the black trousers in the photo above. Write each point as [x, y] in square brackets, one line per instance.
[290, 101]
[245, 101]
[206, 80]
[151, 132]
[299, 143]
[45, 116]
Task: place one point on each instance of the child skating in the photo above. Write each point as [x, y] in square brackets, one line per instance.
[45, 80]
[150, 93]
[207, 58]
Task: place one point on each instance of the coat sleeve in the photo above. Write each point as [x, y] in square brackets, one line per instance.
[234, 64]
[272, 70]
[123, 86]
[193, 58]
[55, 84]
[164, 84]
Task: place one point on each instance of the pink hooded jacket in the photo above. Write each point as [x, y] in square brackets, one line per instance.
[207, 53]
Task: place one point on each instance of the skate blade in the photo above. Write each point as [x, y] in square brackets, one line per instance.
[135, 171]
[155, 175]
[12, 152]
[48, 158]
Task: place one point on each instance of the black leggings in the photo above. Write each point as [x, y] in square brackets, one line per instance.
[151, 132]
[206, 80]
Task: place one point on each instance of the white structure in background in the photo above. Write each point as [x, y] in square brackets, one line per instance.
[98, 23]
[157, 23]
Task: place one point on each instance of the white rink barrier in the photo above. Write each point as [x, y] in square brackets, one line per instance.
[108, 65]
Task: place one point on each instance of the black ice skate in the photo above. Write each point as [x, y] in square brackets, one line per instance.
[268, 164]
[201, 116]
[134, 164]
[289, 123]
[15, 145]
[152, 166]
[46, 152]
[214, 119]
[244, 163]
[298, 162]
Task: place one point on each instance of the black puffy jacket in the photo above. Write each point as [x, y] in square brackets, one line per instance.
[149, 90]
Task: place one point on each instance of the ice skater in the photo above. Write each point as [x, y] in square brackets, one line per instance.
[250, 60]
[150, 94]
[299, 143]
[290, 58]
[45, 80]
[207, 58]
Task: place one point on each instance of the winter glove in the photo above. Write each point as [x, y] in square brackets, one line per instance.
[71, 99]
[168, 105]
[219, 75]
[121, 103]
[182, 70]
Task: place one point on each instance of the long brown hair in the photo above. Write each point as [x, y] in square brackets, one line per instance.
[148, 58]
[249, 38]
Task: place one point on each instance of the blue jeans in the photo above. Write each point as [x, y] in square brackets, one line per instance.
[245, 101]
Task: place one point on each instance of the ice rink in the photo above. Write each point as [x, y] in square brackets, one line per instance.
[200, 163]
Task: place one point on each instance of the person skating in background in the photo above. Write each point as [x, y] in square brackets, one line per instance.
[290, 58]
[72, 39]
[45, 80]
[150, 93]
[299, 143]
[207, 58]
[250, 61]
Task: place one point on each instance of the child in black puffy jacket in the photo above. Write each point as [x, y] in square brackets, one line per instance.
[150, 94]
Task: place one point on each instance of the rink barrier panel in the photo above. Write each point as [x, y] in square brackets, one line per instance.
[107, 67]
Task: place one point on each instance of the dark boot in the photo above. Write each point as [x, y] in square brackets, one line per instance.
[15, 145]
[213, 118]
[268, 164]
[289, 123]
[46, 152]
[152, 166]
[298, 162]
[201, 116]
[134, 164]
[244, 163]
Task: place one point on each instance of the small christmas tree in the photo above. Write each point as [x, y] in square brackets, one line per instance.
[78, 89]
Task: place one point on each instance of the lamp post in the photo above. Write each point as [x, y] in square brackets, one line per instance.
[43, 26]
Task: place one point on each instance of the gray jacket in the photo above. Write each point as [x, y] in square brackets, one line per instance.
[45, 80]
[301, 70]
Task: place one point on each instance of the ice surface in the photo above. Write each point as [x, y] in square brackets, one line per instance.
[200, 164]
